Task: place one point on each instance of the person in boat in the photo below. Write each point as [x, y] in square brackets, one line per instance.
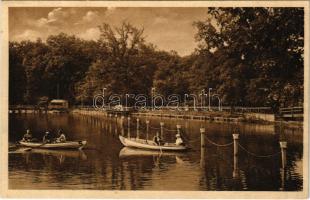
[28, 136]
[179, 141]
[47, 138]
[61, 137]
[157, 140]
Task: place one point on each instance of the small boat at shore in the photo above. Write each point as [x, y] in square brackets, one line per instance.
[58, 145]
[150, 145]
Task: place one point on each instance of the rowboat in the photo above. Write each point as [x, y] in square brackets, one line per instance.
[150, 145]
[58, 145]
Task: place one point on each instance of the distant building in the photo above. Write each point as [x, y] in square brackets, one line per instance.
[58, 104]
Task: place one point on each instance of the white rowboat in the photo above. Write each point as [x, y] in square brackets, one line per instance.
[151, 145]
[58, 145]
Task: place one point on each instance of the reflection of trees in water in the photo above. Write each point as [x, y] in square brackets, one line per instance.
[249, 172]
[217, 173]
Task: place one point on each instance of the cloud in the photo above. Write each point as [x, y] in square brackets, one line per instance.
[54, 16]
[90, 34]
[28, 35]
[90, 16]
[167, 28]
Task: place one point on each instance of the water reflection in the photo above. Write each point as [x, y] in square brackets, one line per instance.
[106, 164]
[61, 155]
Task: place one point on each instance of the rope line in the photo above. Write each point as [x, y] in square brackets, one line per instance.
[259, 156]
[219, 145]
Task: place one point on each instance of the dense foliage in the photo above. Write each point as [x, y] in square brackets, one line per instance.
[249, 56]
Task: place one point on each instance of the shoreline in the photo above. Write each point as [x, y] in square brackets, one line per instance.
[219, 117]
[212, 116]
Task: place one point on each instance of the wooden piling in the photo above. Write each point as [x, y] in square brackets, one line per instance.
[236, 167]
[179, 129]
[202, 147]
[283, 146]
[128, 128]
[138, 134]
[122, 126]
[202, 137]
[147, 129]
[162, 130]
[236, 139]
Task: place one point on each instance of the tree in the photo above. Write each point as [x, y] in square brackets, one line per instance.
[125, 65]
[17, 75]
[267, 45]
[170, 77]
[68, 60]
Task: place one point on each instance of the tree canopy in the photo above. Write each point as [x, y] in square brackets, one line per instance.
[260, 53]
[249, 56]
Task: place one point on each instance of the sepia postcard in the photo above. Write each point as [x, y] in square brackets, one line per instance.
[154, 99]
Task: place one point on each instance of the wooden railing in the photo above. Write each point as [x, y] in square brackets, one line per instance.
[291, 112]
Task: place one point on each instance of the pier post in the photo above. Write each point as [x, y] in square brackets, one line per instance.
[202, 137]
[202, 147]
[116, 131]
[128, 134]
[179, 129]
[283, 146]
[110, 127]
[122, 125]
[236, 138]
[138, 134]
[147, 129]
[236, 167]
[162, 129]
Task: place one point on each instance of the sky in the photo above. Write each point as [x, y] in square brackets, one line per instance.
[167, 28]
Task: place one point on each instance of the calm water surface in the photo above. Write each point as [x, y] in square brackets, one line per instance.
[106, 165]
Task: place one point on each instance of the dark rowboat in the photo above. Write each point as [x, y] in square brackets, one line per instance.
[58, 145]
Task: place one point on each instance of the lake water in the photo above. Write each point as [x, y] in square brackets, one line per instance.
[106, 165]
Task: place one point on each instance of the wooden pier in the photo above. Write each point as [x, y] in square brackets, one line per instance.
[292, 113]
[261, 114]
[189, 116]
[25, 109]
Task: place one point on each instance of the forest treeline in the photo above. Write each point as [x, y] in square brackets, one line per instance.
[249, 56]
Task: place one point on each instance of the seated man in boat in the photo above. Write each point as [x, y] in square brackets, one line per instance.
[61, 137]
[157, 140]
[179, 140]
[47, 138]
[27, 137]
